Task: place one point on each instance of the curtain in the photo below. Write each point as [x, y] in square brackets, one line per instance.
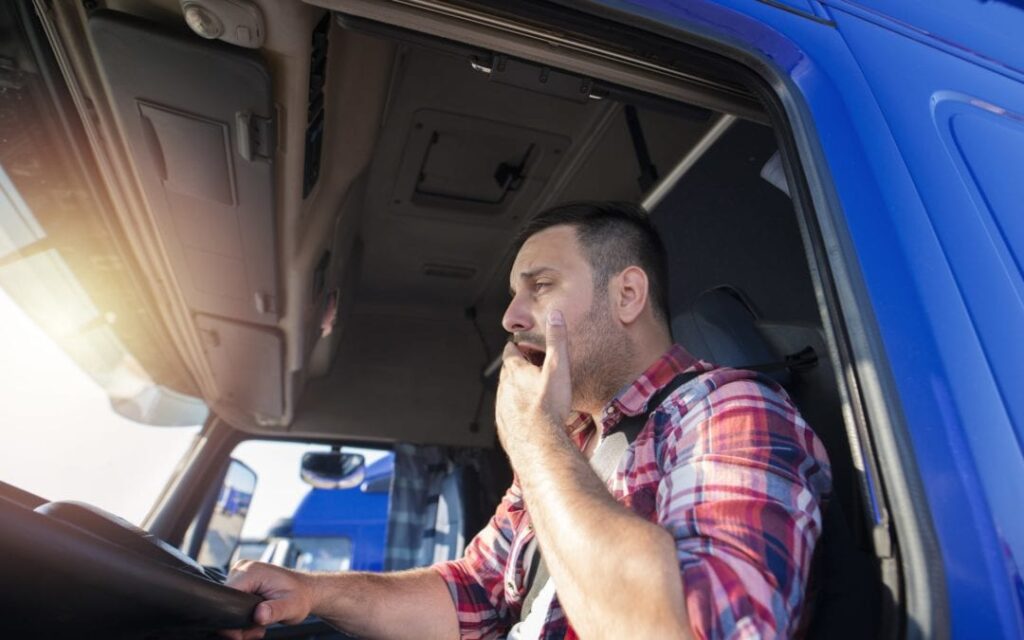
[426, 518]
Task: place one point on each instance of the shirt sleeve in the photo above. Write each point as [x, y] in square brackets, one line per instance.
[477, 580]
[745, 479]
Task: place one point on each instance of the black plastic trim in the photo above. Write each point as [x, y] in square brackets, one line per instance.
[315, 105]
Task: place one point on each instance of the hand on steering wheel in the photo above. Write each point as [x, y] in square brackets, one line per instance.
[288, 596]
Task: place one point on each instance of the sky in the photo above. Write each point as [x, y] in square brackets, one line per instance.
[62, 441]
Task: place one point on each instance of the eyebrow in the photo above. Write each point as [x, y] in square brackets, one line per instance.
[531, 274]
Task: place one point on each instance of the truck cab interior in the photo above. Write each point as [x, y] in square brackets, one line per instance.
[306, 222]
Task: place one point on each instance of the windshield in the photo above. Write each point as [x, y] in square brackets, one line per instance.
[67, 380]
[61, 438]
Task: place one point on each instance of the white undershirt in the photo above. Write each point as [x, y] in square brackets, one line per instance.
[529, 629]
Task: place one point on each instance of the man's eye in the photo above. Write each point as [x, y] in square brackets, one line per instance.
[540, 286]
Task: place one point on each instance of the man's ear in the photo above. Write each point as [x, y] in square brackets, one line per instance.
[631, 289]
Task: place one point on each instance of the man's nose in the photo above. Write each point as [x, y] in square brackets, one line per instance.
[517, 317]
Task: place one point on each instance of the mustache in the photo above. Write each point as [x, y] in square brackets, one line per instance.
[534, 339]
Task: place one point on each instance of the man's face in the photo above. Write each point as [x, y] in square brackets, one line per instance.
[551, 272]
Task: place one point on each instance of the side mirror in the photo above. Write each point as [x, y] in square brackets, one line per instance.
[222, 521]
[333, 469]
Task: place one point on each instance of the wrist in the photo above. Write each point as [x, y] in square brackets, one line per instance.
[312, 585]
[539, 448]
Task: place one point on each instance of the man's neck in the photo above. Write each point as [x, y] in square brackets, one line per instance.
[643, 360]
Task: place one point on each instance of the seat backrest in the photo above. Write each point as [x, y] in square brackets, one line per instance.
[720, 328]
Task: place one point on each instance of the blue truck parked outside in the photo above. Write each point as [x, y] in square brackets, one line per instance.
[337, 529]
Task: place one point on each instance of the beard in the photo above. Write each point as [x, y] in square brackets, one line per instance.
[599, 353]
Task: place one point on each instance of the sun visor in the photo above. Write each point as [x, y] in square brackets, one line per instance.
[198, 121]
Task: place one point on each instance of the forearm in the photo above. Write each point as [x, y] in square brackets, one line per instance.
[617, 574]
[406, 604]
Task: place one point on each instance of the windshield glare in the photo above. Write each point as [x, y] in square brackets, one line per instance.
[62, 439]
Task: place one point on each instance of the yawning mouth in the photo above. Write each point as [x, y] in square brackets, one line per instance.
[533, 355]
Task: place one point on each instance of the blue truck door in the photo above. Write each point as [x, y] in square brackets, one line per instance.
[948, 77]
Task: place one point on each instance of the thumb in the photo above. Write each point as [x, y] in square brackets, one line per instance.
[556, 357]
[265, 614]
[270, 612]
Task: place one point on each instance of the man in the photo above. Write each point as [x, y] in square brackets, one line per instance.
[707, 526]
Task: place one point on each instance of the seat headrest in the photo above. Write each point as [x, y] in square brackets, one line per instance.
[722, 329]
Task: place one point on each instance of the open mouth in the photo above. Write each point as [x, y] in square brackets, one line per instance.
[533, 355]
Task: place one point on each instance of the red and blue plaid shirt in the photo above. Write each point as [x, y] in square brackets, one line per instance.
[726, 465]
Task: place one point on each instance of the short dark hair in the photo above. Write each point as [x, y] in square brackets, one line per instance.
[613, 235]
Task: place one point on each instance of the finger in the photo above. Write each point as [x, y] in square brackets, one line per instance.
[556, 357]
[242, 579]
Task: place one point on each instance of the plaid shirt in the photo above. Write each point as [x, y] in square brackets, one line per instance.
[726, 465]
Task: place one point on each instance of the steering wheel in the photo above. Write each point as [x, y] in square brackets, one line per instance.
[72, 570]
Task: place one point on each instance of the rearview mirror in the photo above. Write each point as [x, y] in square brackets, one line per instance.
[333, 469]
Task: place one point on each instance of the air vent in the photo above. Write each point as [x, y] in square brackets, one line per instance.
[455, 271]
[315, 105]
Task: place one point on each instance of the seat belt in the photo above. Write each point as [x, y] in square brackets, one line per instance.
[604, 462]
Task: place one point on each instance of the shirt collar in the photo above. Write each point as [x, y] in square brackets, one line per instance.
[633, 398]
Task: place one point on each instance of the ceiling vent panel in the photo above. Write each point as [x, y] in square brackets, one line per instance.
[464, 165]
[480, 169]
